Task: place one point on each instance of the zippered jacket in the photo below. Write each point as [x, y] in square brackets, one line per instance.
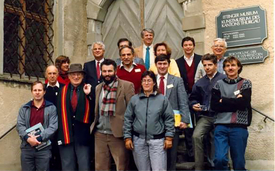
[50, 124]
[149, 116]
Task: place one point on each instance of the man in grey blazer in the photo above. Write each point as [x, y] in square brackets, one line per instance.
[173, 88]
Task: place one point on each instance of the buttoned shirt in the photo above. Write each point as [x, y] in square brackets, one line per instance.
[128, 69]
[220, 65]
[164, 80]
[152, 55]
[189, 60]
[99, 64]
[56, 84]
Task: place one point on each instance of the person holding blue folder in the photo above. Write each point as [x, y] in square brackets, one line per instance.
[35, 146]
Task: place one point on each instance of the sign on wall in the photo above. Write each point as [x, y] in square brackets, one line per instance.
[240, 27]
[248, 55]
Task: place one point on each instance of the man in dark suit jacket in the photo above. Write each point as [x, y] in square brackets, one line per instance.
[53, 88]
[92, 76]
[188, 64]
[112, 97]
[92, 68]
[173, 89]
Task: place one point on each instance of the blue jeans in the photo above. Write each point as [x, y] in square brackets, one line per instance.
[236, 139]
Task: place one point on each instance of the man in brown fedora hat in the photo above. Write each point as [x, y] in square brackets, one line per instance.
[73, 108]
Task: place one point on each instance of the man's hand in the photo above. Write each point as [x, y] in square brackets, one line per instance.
[129, 144]
[32, 140]
[239, 96]
[197, 107]
[183, 125]
[168, 142]
[87, 88]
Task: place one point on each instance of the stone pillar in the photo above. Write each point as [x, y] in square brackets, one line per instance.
[193, 23]
[75, 30]
[96, 12]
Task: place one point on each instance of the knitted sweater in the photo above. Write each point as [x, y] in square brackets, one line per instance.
[232, 110]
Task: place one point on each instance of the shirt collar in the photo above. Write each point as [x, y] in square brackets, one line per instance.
[100, 61]
[212, 76]
[191, 57]
[77, 88]
[151, 46]
[165, 76]
[56, 84]
[43, 104]
[222, 58]
[121, 64]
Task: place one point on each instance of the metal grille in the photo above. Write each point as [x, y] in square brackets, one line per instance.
[28, 36]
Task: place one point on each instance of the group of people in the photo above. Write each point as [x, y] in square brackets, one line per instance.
[132, 110]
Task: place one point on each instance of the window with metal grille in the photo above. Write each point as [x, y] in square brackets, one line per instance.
[28, 36]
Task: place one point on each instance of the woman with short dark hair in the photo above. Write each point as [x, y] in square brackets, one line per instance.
[149, 125]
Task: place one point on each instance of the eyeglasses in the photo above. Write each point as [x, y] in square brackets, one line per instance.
[147, 81]
[76, 74]
[216, 46]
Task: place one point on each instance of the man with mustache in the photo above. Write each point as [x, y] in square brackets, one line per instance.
[125, 42]
[231, 98]
[128, 70]
[112, 97]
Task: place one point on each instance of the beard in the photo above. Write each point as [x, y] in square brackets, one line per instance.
[112, 77]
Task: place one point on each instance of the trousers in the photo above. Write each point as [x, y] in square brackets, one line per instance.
[149, 154]
[235, 138]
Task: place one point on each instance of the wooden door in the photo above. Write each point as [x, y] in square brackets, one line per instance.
[126, 18]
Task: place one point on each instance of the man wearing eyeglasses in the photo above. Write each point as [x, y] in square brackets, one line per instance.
[219, 48]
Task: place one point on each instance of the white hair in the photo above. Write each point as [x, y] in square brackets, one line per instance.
[221, 40]
[99, 43]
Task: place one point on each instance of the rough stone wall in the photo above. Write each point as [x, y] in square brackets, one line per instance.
[193, 23]
[261, 134]
[70, 40]
[75, 30]
[12, 96]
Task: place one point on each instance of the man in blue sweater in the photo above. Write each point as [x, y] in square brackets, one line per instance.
[200, 102]
[230, 100]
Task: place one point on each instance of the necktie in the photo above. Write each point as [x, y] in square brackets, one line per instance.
[147, 58]
[98, 70]
[161, 85]
[74, 100]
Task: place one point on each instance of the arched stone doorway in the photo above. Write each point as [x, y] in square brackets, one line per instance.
[121, 18]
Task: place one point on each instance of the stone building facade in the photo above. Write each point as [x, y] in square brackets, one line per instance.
[78, 23]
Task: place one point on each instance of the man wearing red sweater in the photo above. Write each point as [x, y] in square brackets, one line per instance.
[129, 70]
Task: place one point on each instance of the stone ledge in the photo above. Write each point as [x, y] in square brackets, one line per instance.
[16, 79]
[193, 22]
[260, 165]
